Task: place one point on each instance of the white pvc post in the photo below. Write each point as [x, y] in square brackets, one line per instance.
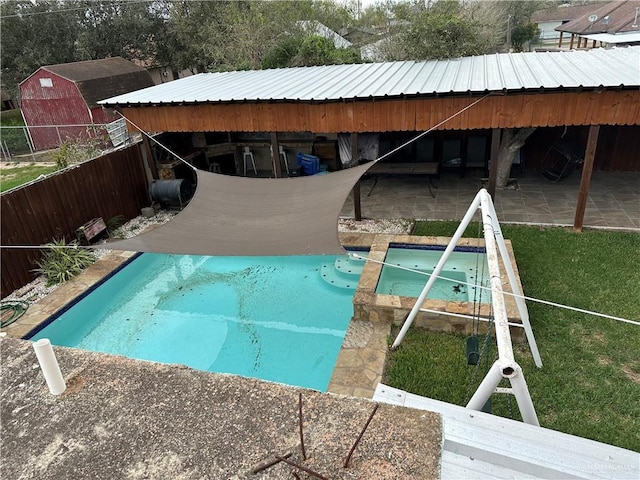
[521, 392]
[436, 271]
[49, 366]
[515, 288]
[486, 387]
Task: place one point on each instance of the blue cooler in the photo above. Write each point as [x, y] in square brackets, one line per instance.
[310, 164]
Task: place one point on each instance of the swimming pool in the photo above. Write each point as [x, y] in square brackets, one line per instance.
[272, 318]
[463, 267]
[388, 294]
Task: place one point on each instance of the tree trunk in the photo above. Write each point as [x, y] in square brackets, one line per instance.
[511, 142]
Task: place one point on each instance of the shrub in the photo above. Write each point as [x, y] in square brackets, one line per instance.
[114, 223]
[62, 261]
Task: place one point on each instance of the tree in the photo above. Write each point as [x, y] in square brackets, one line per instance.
[512, 140]
[34, 34]
[307, 50]
[131, 30]
[196, 33]
[521, 34]
[442, 31]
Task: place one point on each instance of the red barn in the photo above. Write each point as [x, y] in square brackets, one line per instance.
[67, 94]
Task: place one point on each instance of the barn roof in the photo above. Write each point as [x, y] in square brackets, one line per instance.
[531, 71]
[104, 78]
[614, 17]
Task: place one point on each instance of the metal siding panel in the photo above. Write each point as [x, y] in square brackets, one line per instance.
[467, 72]
[479, 75]
[402, 77]
[415, 79]
[526, 71]
[493, 74]
[509, 73]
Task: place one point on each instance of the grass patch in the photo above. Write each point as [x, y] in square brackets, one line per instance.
[589, 384]
[19, 175]
[14, 138]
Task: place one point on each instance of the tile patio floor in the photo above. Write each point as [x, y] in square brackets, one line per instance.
[614, 199]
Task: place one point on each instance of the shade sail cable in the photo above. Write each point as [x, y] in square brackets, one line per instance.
[437, 125]
[160, 144]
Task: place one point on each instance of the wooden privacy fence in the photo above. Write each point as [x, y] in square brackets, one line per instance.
[53, 208]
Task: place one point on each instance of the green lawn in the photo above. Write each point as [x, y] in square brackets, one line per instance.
[15, 139]
[590, 382]
[20, 174]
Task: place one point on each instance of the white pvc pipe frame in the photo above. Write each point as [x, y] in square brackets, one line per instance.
[49, 365]
[505, 366]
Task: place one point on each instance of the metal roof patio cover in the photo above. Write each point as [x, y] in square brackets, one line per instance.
[232, 215]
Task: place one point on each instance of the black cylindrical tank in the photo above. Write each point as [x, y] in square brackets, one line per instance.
[170, 191]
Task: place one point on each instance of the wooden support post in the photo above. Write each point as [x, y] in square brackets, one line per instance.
[587, 169]
[571, 42]
[357, 207]
[275, 155]
[560, 40]
[148, 156]
[494, 157]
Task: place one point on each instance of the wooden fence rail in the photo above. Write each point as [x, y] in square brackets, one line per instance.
[53, 208]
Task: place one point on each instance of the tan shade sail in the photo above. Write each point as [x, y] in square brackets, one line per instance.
[231, 215]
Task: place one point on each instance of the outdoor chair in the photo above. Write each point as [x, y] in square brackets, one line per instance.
[248, 155]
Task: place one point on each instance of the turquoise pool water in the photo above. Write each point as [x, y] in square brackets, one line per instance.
[272, 318]
[462, 267]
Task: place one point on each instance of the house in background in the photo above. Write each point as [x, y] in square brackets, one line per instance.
[615, 23]
[163, 74]
[313, 27]
[60, 102]
[548, 19]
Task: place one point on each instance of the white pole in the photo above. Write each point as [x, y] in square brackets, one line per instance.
[486, 387]
[436, 272]
[49, 366]
[515, 288]
[503, 336]
[521, 392]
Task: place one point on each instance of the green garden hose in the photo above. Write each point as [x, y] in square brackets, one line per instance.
[10, 311]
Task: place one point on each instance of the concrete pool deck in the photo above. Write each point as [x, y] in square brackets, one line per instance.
[124, 418]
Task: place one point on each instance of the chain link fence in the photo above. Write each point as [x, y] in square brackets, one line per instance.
[16, 140]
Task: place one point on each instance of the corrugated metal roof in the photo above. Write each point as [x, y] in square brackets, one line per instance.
[481, 445]
[618, 67]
